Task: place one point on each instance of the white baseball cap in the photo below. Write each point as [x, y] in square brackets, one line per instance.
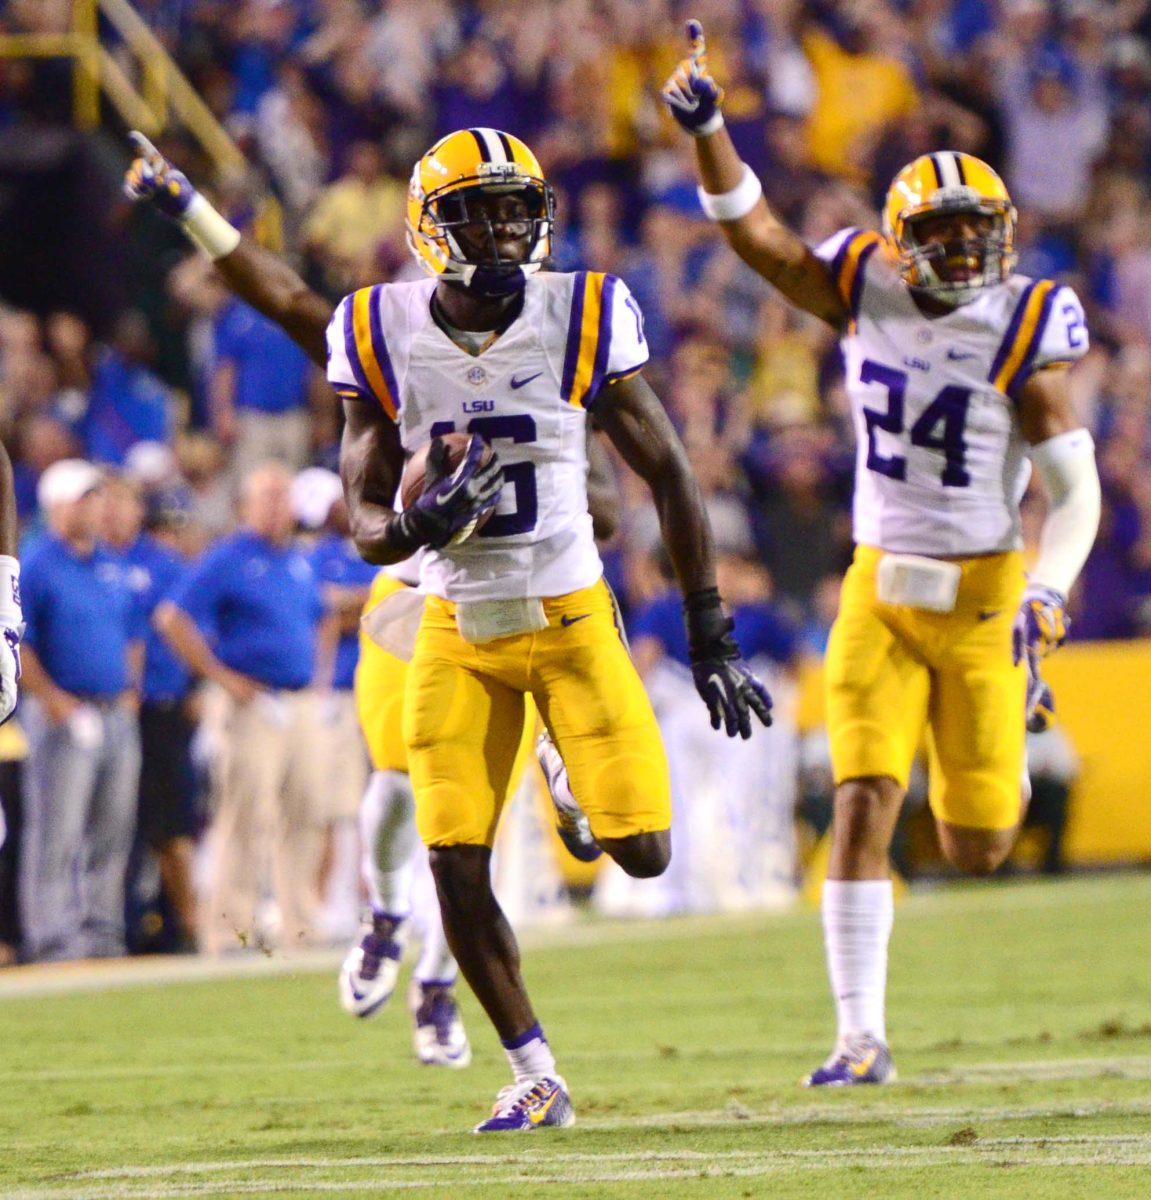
[68, 480]
[314, 491]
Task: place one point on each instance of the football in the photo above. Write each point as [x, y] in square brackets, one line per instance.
[415, 470]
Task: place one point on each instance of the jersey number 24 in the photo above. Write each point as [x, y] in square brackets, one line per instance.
[939, 427]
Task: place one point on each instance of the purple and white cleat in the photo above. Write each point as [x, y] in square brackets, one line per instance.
[862, 1059]
[438, 1035]
[530, 1104]
[572, 824]
[368, 975]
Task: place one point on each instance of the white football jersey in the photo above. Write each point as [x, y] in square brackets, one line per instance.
[941, 464]
[527, 394]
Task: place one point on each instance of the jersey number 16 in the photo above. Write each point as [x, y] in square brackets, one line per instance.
[522, 475]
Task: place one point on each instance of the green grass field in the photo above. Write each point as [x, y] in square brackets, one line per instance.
[1020, 1018]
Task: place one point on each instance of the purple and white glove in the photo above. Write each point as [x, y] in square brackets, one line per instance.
[691, 95]
[726, 685]
[153, 179]
[11, 629]
[1040, 708]
[450, 502]
[1040, 628]
[1040, 624]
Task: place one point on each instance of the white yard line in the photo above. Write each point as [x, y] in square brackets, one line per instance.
[540, 1169]
[546, 1158]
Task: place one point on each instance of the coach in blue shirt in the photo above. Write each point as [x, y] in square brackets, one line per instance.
[248, 617]
[260, 390]
[82, 660]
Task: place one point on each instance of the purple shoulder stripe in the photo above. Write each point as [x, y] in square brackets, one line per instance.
[379, 344]
[352, 350]
[571, 352]
[603, 340]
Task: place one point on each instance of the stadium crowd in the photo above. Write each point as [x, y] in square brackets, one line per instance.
[182, 398]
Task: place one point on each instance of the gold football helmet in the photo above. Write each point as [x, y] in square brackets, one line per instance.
[442, 213]
[940, 184]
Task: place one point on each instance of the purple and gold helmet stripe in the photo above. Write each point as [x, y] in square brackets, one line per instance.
[1024, 333]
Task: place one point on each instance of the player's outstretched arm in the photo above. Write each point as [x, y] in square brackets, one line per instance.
[732, 195]
[256, 275]
[630, 413]
[371, 462]
[1063, 454]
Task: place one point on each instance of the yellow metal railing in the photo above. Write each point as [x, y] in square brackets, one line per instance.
[164, 93]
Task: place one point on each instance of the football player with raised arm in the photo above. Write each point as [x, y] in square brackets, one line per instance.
[491, 345]
[957, 374]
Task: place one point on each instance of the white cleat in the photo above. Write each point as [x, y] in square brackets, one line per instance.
[369, 972]
[438, 1034]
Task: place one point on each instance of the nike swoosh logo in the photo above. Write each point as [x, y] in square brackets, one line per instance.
[985, 614]
[960, 355]
[566, 621]
[519, 383]
[537, 1115]
[861, 1068]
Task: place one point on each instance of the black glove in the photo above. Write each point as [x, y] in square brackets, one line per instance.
[730, 691]
[449, 502]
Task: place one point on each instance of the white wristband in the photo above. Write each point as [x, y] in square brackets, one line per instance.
[11, 615]
[730, 206]
[208, 229]
[714, 122]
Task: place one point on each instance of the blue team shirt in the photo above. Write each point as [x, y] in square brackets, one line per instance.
[81, 615]
[271, 370]
[127, 404]
[259, 605]
[759, 630]
[335, 561]
[153, 571]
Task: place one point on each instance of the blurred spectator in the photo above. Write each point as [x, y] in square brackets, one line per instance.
[860, 89]
[127, 403]
[318, 501]
[168, 818]
[352, 218]
[82, 666]
[247, 617]
[1050, 102]
[261, 391]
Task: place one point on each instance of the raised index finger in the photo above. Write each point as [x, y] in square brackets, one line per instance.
[696, 43]
[143, 145]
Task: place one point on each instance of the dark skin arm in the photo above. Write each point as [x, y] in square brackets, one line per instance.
[632, 416]
[763, 241]
[371, 463]
[602, 495]
[1045, 408]
[270, 286]
[9, 540]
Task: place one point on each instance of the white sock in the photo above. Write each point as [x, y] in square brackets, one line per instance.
[530, 1055]
[436, 964]
[857, 919]
[389, 839]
